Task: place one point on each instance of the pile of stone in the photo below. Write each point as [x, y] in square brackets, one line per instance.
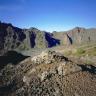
[48, 57]
[37, 75]
[59, 65]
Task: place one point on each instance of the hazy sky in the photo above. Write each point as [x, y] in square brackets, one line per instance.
[49, 15]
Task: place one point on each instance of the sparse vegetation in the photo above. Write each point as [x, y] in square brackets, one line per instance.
[67, 53]
[88, 62]
[80, 51]
[23, 46]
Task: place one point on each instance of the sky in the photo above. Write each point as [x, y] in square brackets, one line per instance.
[49, 15]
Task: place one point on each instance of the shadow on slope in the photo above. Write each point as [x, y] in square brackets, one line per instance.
[89, 68]
[51, 41]
[12, 57]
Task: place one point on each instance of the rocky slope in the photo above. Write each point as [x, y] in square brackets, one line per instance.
[12, 37]
[24, 39]
[76, 36]
[47, 74]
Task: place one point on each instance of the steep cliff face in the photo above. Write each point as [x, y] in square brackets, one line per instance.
[24, 39]
[10, 37]
[37, 38]
[82, 35]
[63, 37]
[76, 36]
[40, 39]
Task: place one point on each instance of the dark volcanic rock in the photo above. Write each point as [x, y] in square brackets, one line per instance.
[23, 39]
[59, 78]
[10, 37]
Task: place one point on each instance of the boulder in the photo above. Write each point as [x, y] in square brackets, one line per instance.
[48, 57]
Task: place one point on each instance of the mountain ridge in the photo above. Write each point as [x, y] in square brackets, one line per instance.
[12, 37]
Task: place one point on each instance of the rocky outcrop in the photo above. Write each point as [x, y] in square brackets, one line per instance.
[48, 57]
[10, 37]
[64, 38]
[76, 36]
[48, 77]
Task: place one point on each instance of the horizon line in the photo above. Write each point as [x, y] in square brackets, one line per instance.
[41, 29]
